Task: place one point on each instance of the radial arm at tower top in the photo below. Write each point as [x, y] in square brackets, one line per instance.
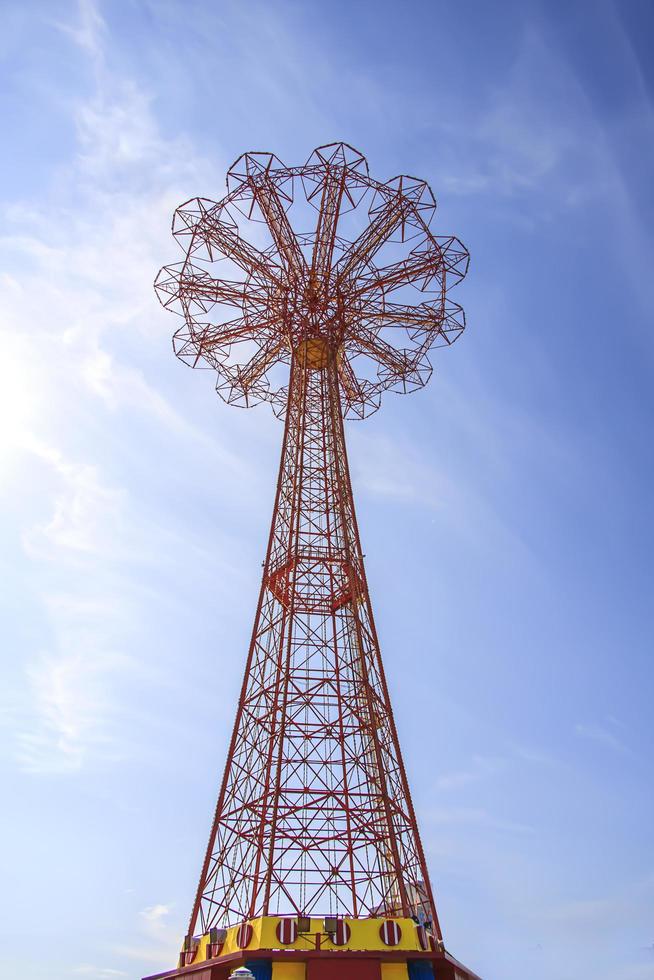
[369, 282]
[314, 814]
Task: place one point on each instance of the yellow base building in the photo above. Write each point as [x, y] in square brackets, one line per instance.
[289, 948]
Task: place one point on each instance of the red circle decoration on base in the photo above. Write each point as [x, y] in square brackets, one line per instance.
[286, 931]
[244, 935]
[423, 938]
[390, 932]
[342, 934]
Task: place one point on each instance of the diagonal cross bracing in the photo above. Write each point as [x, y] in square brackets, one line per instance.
[314, 811]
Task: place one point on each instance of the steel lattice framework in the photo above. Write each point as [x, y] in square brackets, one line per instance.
[314, 814]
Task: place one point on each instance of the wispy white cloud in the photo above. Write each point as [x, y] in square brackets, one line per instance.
[87, 514]
[79, 269]
[481, 767]
[601, 734]
[89, 257]
[66, 715]
[396, 471]
[478, 817]
[382, 468]
[161, 935]
[88, 31]
[69, 712]
[532, 134]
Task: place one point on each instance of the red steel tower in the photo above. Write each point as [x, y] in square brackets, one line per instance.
[314, 832]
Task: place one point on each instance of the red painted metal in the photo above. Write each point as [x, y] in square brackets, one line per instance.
[390, 932]
[286, 931]
[347, 969]
[341, 934]
[244, 935]
[314, 814]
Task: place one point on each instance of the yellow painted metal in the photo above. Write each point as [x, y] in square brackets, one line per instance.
[283, 970]
[364, 935]
[313, 353]
[394, 971]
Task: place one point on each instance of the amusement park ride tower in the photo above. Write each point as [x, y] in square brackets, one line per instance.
[314, 867]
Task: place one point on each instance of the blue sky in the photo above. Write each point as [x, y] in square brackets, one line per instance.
[505, 510]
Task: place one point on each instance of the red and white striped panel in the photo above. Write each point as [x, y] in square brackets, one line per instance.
[286, 931]
[244, 935]
[189, 955]
[390, 932]
[423, 938]
[213, 949]
[342, 934]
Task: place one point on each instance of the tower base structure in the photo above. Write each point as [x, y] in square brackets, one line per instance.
[274, 948]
